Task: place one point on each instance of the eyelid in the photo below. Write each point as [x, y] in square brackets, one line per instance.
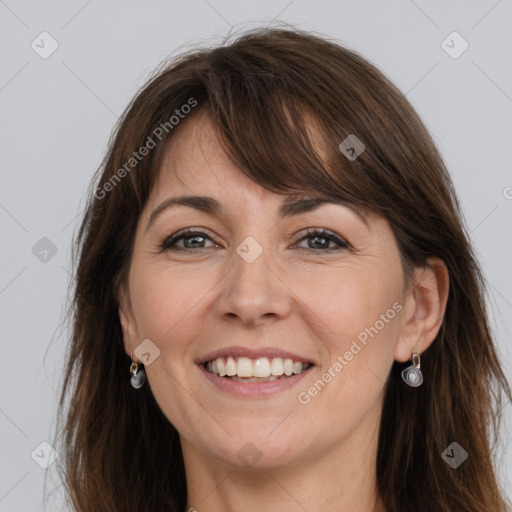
[169, 240]
[330, 235]
[341, 243]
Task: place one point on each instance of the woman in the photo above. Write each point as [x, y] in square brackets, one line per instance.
[276, 304]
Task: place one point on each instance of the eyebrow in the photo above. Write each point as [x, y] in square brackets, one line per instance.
[291, 206]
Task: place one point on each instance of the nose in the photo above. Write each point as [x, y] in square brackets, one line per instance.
[253, 294]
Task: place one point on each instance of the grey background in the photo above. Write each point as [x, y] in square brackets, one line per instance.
[57, 114]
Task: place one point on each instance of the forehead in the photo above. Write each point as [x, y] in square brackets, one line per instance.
[195, 157]
[195, 162]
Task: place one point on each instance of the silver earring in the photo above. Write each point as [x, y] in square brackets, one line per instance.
[412, 375]
[138, 376]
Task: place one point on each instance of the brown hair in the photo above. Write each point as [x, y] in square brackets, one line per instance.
[262, 91]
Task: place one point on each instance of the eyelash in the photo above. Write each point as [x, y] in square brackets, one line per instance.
[169, 242]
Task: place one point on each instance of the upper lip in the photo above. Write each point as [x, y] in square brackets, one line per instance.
[251, 353]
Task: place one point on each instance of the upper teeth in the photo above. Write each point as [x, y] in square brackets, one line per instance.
[262, 367]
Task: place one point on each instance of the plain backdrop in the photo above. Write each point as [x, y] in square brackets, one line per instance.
[58, 110]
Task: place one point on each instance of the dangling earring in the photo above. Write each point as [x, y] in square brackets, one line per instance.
[412, 374]
[138, 376]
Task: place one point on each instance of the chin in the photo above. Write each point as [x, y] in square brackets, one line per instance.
[254, 447]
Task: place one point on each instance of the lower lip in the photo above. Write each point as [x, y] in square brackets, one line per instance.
[253, 389]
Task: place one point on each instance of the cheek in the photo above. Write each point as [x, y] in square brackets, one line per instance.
[351, 386]
[165, 302]
[347, 299]
[362, 326]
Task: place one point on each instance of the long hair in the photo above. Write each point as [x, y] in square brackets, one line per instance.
[263, 92]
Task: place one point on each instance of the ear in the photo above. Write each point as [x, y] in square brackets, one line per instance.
[425, 305]
[127, 319]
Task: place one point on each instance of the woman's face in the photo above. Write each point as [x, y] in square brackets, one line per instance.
[250, 291]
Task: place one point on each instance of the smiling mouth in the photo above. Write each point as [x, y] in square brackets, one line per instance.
[263, 369]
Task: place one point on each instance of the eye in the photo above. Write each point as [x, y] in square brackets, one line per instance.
[321, 240]
[193, 239]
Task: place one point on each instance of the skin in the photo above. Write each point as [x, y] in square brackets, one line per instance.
[320, 455]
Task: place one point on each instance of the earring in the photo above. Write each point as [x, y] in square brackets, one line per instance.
[412, 375]
[138, 376]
